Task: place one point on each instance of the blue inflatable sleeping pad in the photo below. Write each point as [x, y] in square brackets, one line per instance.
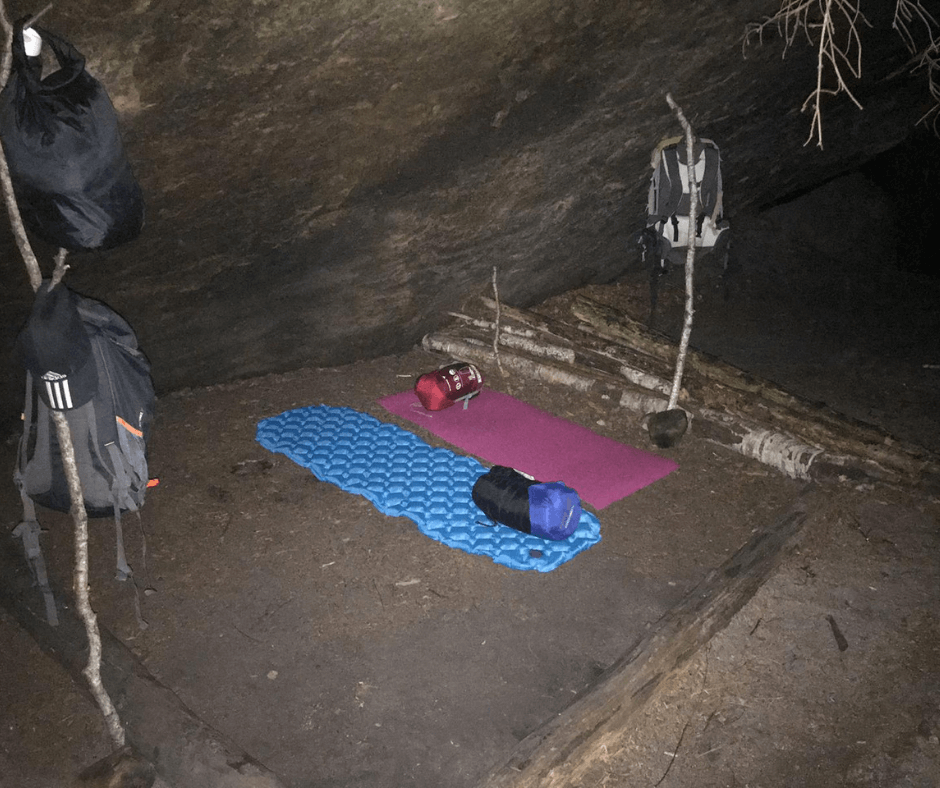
[404, 476]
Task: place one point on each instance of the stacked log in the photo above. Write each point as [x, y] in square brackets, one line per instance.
[605, 352]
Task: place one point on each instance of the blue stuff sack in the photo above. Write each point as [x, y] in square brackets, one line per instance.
[549, 510]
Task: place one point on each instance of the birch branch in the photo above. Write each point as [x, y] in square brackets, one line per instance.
[499, 363]
[92, 671]
[690, 254]
[838, 57]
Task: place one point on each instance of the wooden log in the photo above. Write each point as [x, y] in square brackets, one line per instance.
[186, 752]
[659, 364]
[554, 346]
[549, 370]
[755, 437]
[788, 454]
[716, 384]
[783, 452]
[851, 449]
[560, 753]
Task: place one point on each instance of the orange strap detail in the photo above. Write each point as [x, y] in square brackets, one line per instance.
[128, 427]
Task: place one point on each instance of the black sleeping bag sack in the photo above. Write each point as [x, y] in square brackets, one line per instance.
[73, 184]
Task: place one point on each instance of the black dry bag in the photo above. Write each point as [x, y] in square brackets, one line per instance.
[73, 184]
[549, 510]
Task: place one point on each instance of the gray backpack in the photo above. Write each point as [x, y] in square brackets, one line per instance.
[669, 204]
[82, 359]
[665, 239]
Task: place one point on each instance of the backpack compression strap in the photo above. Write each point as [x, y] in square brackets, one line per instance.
[669, 204]
[709, 189]
[28, 530]
[117, 492]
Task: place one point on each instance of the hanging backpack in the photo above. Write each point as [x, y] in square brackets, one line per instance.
[82, 359]
[549, 510]
[73, 184]
[665, 239]
[669, 202]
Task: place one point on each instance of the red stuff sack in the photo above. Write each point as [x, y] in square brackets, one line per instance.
[442, 388]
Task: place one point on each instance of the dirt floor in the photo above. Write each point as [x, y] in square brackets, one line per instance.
[341, 647]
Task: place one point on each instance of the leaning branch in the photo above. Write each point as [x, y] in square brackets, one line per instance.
[92, 671]
[690, 253]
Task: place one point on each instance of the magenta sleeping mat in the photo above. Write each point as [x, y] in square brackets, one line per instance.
[504, 431]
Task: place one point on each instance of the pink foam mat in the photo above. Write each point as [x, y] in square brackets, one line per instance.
[502, 430]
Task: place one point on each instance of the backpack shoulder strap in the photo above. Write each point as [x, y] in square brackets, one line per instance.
[28, 530]
[666, 142]
[710, 187]
[669, 180]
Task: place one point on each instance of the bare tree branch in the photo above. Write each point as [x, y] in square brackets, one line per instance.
[832, 26]
[63, 432]
[690, 253]
[910, 14]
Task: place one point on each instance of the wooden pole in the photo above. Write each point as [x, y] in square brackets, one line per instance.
[92, 670]
[690, 252]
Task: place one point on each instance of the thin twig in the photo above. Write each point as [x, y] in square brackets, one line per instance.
[499, 363]
[675, 753]
[36, 17]
[675, 750]
[842, 59]
[926, 56]
[838, 61]
[60, 268]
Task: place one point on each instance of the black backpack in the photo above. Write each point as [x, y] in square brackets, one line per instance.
[82, 359]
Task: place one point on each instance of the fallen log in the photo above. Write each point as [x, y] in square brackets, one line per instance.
[648, 370]
[186, 752]
[560, 753]
[791, 457]
[783, 452]
[719, 385]
[537, 367]
[556, 348]
[731, 407]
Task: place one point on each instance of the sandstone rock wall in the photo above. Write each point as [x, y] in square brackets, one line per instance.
[325, 178]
